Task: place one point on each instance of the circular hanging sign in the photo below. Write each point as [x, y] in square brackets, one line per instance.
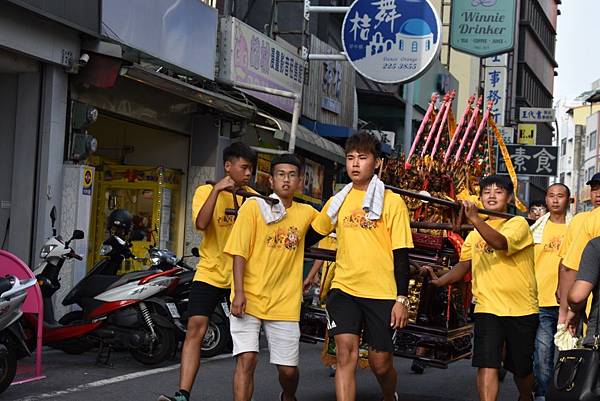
[391, 41]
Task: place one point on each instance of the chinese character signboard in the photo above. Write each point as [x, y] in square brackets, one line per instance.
[527, 134]
[494, 87]
[536, 160]
[508, 134]
[536, 115]
[391, 41]
[248, 56]
[483, 27]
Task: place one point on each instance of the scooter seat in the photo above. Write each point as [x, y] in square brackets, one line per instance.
[129, 277]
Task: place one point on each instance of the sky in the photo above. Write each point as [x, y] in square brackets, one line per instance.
[577, 48]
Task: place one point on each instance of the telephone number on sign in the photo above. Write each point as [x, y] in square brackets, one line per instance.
[399, 66]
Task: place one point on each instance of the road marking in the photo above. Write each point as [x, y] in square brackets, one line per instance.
[113, 380]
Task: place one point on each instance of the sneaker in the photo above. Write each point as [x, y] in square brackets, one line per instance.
[281, 397]
[177, 397]
[395, 397]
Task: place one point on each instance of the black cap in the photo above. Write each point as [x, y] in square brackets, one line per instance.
[594, 180]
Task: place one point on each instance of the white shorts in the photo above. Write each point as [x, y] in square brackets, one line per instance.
[283, 338]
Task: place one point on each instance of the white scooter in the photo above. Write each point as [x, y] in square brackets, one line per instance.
[12, 340]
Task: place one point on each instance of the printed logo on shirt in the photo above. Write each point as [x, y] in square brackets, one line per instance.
[282, 238]
[358, 219]
[553, 245]
[483, 247]
[227, 220]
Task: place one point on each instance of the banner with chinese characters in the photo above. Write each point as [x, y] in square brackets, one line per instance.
[494, 88]
[532, 160]
[248, 56]
[536, 115]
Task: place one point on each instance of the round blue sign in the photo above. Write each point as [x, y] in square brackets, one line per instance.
[391, 41]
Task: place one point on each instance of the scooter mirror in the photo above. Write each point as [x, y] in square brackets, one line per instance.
[77, 234]
[195, 252]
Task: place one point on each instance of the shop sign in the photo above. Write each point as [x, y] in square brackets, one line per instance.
[508, 134]
[483, 27]
[88, 181]
[180, 32]
[532, 160]
[536, 115]
[248, 56]
[329, 89]
[391, 41]
[495, 91]
[527, 134]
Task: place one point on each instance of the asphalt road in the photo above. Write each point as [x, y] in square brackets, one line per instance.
[78, 378]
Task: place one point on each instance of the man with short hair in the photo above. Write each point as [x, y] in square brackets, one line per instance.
[548, 233]
[213, 273]
[267, 245]
[370, 285]
[500, 255]
[583, 227]
[537, 208]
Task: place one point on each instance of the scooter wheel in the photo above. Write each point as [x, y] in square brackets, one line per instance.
[215, 340]
[8, 369]
[163, 347]
[418, 367]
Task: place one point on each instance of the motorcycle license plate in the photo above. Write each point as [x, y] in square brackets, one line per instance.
[173, 310]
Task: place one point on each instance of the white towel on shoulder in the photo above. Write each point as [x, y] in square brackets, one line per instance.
[372, 203]
[537, 228]
[270, 213]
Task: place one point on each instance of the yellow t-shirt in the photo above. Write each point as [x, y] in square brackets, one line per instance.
[274, 256]
[546, 262]
[214, 267]
[364, 261]
[576, 239]
[503, 281]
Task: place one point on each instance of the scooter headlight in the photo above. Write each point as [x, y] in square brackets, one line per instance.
[46, 251]
[105, 249]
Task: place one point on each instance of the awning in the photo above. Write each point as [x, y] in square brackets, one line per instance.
[306, 139]
[177, 87]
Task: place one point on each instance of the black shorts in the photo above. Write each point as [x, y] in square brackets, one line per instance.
[347, 314]
[516, 332]
[204, 298]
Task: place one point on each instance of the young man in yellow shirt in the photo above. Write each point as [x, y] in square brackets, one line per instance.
[572, 249]
[268, 255]
[213, 272]
[370, 284]
[548, 234]
[500, 255]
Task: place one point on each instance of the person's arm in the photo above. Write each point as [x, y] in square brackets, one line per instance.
[206, 211]
[312, 238]
[492, 237]
[578, 295]
[238, 305]
[455, 274]
[311, 275]
[399, 317]
[566, 279]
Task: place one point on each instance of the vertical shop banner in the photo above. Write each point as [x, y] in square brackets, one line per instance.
[483, 27]
[391, 41]
[494, 87]
[248, 56]
[527, 134]
[88, 181]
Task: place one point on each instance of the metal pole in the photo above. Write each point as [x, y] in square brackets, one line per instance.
[408, 116]
[295, 118]
[327, 9]
[297, 97]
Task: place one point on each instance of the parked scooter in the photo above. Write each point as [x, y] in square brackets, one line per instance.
[12, 340]
[116, 311]
[217, 338]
